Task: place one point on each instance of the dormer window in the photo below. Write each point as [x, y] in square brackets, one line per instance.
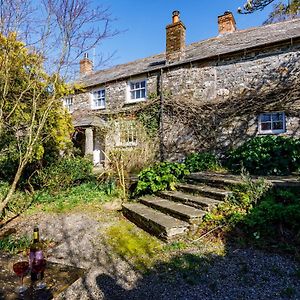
[98, 99]
[68, 104]
[137, 91]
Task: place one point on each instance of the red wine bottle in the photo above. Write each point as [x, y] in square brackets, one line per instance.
[35, 252]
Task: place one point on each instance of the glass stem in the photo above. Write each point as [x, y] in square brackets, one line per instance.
[22, 280]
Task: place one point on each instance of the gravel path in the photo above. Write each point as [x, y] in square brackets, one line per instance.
[240, 274]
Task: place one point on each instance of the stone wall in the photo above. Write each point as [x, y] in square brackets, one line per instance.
[215, 80]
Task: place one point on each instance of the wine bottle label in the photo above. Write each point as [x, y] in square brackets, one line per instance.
[35, 235]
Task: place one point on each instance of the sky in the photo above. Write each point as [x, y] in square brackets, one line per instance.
[142, 24]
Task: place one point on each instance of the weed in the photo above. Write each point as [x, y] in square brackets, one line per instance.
[15, 245]
[175, 246]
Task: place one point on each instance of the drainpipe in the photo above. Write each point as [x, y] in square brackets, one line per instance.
[161, 123]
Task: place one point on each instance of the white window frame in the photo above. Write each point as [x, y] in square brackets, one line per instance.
[95, 101]
[131, 127]
[68, 103]
[271, 131]
[129, 90]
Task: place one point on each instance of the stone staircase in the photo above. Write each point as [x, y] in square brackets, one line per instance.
[171, 214]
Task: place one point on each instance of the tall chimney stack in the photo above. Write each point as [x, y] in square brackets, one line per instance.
[226, 23]
[175, 40]
[86, 65]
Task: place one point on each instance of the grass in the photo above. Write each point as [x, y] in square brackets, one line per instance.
[15, 244]
[135, 246]
[146, 253]
[75, 198]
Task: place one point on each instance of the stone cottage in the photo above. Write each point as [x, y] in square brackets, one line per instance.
[211, 94]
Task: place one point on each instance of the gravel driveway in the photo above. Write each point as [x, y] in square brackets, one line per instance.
[240, 274]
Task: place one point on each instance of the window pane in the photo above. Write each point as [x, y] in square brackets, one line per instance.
[265, 118]
[143, 84]
[132, 95]
[277, 125]
[137, 85]
[277, 117]
[265, 126]
[143, 93]
[138, 94]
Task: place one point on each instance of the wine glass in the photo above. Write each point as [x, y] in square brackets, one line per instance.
[21, 267]
[39, 266]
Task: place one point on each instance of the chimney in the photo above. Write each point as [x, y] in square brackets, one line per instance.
[175, 41]
[86, 65]
[226, 23]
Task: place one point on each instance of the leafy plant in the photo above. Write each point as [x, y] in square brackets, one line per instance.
[65, 173]
[202, 161]
[243, 198]
[159, 177]
[266, 155]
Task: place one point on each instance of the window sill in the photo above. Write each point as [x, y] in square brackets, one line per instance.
[135, 100]
[271, 132]
[98, 108]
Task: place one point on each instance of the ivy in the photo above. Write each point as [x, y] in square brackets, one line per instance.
[150, 118]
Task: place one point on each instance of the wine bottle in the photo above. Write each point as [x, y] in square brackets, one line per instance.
[35, 252]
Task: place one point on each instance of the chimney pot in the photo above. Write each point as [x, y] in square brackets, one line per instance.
[226, 23]
[175, 16]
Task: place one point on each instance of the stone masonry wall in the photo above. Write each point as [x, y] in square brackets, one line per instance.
[207, 81]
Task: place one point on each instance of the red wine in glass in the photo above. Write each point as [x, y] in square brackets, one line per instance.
[21, 268]
[39, 266]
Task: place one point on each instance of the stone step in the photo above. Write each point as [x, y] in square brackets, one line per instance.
[196, 201]
[203, 190]
[214, 179]
[178, 210]
[157, 223]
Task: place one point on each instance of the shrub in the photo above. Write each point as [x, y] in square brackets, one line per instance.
[266, 155]
[279, 208]
[202, 161]
[159, 177]
[65, 173]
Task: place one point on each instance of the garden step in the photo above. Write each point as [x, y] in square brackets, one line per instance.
[215, 179]
[153, 221]
[207, 191]
[175, 209]
[197, 201]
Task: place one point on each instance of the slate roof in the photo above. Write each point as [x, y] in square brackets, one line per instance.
[220, 45]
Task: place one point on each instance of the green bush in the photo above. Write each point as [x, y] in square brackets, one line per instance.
[266, 155]
[202, 161]
[279, 208]
[160, 176]
[65, 173]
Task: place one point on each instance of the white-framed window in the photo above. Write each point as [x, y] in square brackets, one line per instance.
[98, 99]
[272, 122]
[128, 133]
[68, 104]
[137, 90]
